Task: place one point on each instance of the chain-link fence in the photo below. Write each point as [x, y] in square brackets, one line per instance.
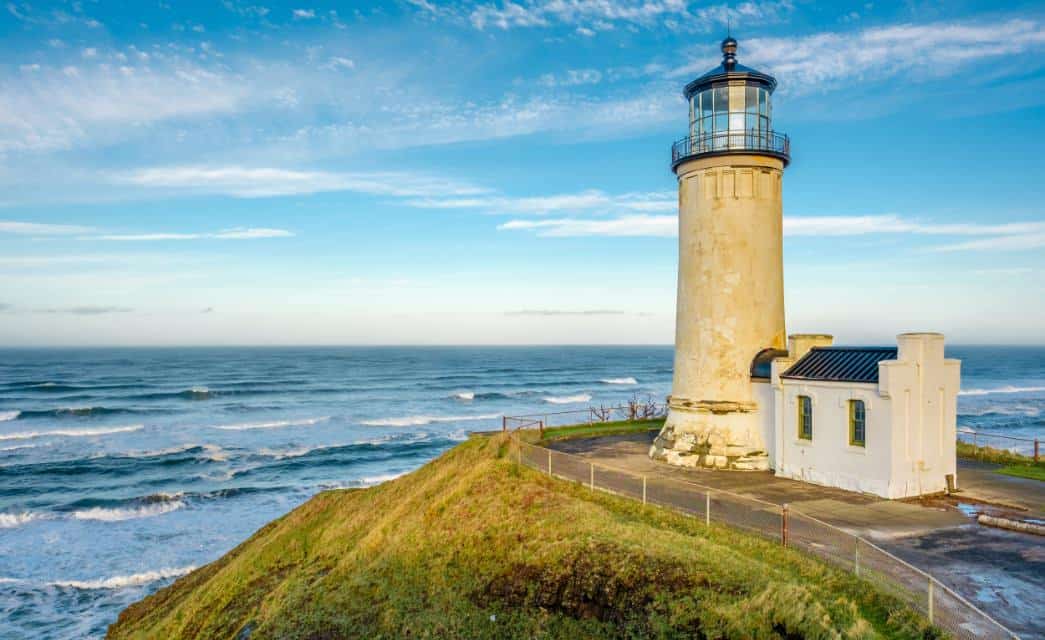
[944, 608]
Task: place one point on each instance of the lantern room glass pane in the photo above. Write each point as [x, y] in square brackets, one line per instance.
[721, 99]
[751, 100]
[763, 100]
[706, 103]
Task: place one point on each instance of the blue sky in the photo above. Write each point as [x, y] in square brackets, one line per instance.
[430, 172]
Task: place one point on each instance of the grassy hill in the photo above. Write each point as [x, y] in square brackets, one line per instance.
[473, 546]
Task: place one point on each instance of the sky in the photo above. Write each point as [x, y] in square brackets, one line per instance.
[498, 171]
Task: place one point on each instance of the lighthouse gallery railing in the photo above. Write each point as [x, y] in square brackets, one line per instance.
[767, 142]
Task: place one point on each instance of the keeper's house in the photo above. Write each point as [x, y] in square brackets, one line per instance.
[878, 420]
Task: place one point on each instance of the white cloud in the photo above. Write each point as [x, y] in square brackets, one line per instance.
[304, 14]
[833, 59]
[60, 107]
[39, 229]
[257, 182]
[590, 16]
[336, 63]
[228, 234]
[590, 200]
[1006, 236]
[570, 78]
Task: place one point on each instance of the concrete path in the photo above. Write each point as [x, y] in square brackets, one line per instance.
[1002, 572]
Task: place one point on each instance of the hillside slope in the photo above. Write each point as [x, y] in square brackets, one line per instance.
[473, 546]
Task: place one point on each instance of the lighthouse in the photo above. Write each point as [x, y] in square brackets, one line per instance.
[729, 322]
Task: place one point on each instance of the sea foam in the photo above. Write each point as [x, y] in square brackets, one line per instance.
[414, 421]
[71, 433]
[277, 424]
[465, 395]
[628, 380]
[117, 515]
[1007, 389]
[12, 520]
[132, 580]
[9, 415]
[580, 397]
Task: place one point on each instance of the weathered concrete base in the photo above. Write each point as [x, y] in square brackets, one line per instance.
[703, 438]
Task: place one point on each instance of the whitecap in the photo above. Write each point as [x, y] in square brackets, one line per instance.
[1006, 389]
[44, 384]
[9, 415]
[132, 580]
[464, 395]
[278, 424]
[378, 479]
[580, 397]
[628, 380]
[71, 433]
[12, 520]
[414, 421]
[117, 515]
[17, 447]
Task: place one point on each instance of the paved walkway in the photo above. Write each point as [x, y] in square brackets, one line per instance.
[1000, 571]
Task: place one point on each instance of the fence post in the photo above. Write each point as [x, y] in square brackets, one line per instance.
[549, 461]
[592, 465]
[519, 444]
[540, 427]
[1036, 459]
[931, 601]
[856, 555]
[643, 489]
[504, 423]
[783, 525]
[707, 508]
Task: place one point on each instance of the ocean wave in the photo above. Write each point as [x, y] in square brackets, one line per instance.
[17, 447]
[157, 507]
[9, 415]
[73, 411]
[464, 395]
[628, 380]
[132, 580]
[415, 421]
[1006, 389]
[580, 397]
[71, 433]
[12, 520]
[1017, 410]
[277, 424]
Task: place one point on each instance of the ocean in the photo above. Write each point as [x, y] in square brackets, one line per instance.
[122, 469]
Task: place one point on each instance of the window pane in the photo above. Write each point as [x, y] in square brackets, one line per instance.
[721, 122]
[721, 99]
[736, 122]
[705, 103]
[751, 99]
[763, 97]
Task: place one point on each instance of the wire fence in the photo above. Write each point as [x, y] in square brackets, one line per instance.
[1015, 444]
[944, 608]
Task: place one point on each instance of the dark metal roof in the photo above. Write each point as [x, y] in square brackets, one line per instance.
[762, 365]
[730, 69]
[840, 364]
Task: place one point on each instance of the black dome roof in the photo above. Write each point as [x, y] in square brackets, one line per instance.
[730, 69]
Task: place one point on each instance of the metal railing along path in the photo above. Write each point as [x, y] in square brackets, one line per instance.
[943, 607]
[1026, 446]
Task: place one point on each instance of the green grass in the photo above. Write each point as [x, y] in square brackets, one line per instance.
[472, 545]
[1013, 464]
[1034, 472]
[602, 429]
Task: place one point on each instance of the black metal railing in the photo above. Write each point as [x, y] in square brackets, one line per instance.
[766, 142]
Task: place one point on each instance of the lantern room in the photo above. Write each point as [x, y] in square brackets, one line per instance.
[730, 111]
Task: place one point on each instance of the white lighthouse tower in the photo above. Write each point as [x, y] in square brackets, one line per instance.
[730, 300]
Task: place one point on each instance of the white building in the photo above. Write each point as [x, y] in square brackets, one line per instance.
[877, 420]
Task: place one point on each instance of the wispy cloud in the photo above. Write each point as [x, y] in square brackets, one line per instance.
[589, 200]
[86, 310]
[228, 234]
[258, 182]
[833, 59]
[304, 14]
[1005, 236]
[40, 229]
[566, 312]
[58, 107]
[603, 15]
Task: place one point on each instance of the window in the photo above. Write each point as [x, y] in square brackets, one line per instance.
[805, 417]
[857, 423]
